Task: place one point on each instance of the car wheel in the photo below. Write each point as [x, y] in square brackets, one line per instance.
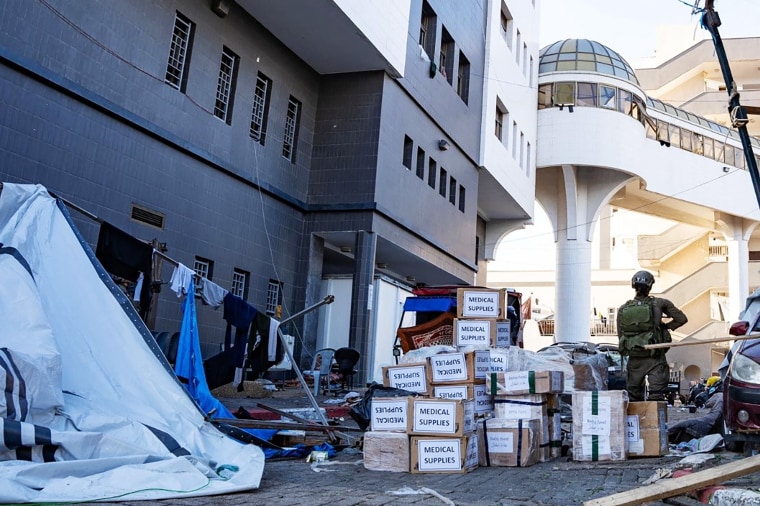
[731, 446]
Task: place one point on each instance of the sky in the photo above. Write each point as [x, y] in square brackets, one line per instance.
[630, 27]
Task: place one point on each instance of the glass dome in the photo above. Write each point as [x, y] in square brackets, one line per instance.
[586, 56]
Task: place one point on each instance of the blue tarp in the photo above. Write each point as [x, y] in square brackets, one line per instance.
[430, 304]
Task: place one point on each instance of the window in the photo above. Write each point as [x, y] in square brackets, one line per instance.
[463, 78]
[461, 198]
[514, 140]
[290, 137]
[522, 150]
[686, 137]
[240, 283]
[674, 134]
[518, 46]
[452, 191]
[427, 30]
[260, 111]
[225, 86]
[718, 151]
[607, 97]
[420, 163]
[625, 102]
[499, 123]
[179, 53]
[739, 159]
[544, 96]
[709, 150]
[432, 169]
[525, 59]
[274, 298]
[697, 143]
[446, 57]
[729, 155]
[530, 75]
[528, 159]
[507, 25]
[204, 268]
[442, 182]
[564, 94]
[408, 146]
[586, 95]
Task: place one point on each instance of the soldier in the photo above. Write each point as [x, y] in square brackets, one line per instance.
[639, 322]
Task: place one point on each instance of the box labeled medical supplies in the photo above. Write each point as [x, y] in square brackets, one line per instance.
[526, 382]
[479, 334]
[444, 455]
[458, 367]
[503, 333]
[520, 406]
[386, 451]
[411, 377]
[647, 429]
[389, 414]
[483, 400]
[481, 303]
[463, 392]
[599, 425]
[436, 417]
[504, 442]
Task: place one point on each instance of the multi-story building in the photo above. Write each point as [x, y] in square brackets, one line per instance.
[282, 149]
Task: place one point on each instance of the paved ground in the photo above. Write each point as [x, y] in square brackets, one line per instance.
[344, 481]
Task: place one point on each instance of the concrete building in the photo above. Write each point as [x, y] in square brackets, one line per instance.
[617, 148]
[282, 149]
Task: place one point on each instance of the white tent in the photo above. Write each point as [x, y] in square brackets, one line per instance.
[91, 410]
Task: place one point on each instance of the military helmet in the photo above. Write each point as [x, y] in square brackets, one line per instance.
[642, 278]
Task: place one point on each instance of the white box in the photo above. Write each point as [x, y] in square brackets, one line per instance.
[389, 414]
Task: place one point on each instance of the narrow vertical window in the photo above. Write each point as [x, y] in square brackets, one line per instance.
[261, 96]
[225, 86]
[528, 160]
[290, 137]
[442, 182]
[518, 46]
[240, 283]
[463, 78]
[461, 198]
[427, 30]
[408, 147]
[432, 170]
[452, 191]
[522, 150]
[446, 56]
[507, 26]
[420, 163]
[499, 123]
[514, 140]
[274, 298]
[530, 75]
[179, 53]
[525, 59]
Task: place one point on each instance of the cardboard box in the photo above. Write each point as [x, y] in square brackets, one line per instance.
[503, 333]
[599, 425]
[436, 417]
[389, 414]
[483, 400]
[474, 302]
[512, 443]
[554, 412]
[526, 382]
[410, 377]
[488, 361]
[479, 334]
[458, 367]
[386, 451]
[444, 455]
[463, 392]
[528, 406]
[647, 429]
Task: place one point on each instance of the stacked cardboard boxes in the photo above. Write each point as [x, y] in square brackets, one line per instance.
[646, 429]
[599, 425]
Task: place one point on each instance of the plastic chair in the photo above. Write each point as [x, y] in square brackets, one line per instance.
[347, 358]
[320, 368]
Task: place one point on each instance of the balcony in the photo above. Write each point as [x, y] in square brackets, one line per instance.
[598, 328]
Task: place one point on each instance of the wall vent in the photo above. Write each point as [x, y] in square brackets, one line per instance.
[147, 217]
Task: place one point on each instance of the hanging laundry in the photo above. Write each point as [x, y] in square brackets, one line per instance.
[258, 345]
[212, 294]
[274, 325]
[126, 256]
[239, 314]
[189, 364]
[182, 278]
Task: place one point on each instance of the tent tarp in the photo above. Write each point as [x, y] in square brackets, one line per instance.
[92, 410]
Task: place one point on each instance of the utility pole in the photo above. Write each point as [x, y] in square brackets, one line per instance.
[737, 113]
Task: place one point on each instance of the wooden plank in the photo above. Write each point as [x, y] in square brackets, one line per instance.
[701, 341]
[677, 486]
[271, 424]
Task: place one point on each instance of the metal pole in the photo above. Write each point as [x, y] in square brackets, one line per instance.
[711, 22]
[327, 300]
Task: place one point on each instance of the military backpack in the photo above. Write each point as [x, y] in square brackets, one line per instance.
[636, 321]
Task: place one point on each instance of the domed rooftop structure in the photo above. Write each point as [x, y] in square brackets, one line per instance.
[584, 55]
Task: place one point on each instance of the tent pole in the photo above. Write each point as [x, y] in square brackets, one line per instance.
[327, 300]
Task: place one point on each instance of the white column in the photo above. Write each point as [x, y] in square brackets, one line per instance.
[573, 290]
[738, 276]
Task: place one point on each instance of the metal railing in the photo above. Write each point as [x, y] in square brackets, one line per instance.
[546, 328]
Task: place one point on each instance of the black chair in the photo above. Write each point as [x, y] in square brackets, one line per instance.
[346, 359]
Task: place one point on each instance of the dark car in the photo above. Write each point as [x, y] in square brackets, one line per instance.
[741, 383]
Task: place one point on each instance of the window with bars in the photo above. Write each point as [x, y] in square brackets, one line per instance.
[261, 95]
[274, 298]
[204, 268]
[240, 283]
[179, 53]
[225, 86]
[290, 137]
